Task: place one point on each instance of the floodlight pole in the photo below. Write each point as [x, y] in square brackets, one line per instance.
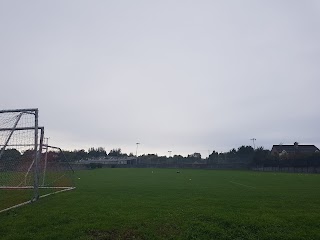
[253, 139]
[169, 156]
[137, 152]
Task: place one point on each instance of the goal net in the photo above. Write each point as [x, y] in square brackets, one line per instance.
[29, 169]
[55, 172]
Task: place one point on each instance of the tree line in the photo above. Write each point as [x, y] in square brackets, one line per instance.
[245, 155]
[261, 157]
[92, 153]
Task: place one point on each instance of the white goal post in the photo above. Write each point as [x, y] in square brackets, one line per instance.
[19, 131]
[27, 164]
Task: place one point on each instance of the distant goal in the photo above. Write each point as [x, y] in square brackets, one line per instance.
[29, 167]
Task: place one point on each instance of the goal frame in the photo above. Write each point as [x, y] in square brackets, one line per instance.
[37, 148]
[35, 112]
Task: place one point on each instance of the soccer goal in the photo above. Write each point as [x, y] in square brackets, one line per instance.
[29, 169]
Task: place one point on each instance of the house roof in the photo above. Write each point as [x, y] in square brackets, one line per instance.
[295, 149]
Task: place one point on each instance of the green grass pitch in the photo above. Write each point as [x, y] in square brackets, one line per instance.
[164, 204]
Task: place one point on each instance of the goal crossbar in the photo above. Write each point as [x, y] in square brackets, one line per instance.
[25, 110]
[18, 129]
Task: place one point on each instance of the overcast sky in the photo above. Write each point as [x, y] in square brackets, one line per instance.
[186, 76]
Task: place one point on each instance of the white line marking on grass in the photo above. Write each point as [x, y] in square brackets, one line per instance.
[30, 201]
[242, 184]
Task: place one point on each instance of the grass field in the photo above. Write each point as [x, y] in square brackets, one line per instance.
[193, 204]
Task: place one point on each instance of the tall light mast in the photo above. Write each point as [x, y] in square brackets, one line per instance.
[253, 140]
